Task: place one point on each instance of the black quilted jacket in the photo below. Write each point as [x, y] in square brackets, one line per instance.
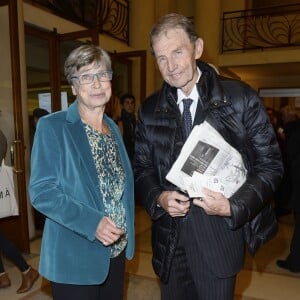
[235, 110]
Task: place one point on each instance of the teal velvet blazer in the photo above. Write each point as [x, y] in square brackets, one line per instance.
[64, 187]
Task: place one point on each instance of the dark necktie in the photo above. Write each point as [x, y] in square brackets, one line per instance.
[187, 117]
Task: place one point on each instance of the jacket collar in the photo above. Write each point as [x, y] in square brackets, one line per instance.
[73, 113]
[209, 88]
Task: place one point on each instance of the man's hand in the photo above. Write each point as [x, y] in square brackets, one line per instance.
[213, 203]
[174, 203]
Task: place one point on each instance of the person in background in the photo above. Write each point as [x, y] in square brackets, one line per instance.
[38, 113]
[29, 274]
[273, 116]
[282, 193]
[82, 181]
[286, 126]
[127, 122]
[292, 141]
[199, 244]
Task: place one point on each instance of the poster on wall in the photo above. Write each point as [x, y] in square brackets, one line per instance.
[45, 101]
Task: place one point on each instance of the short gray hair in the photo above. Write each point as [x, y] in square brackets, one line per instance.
[171, 21]
[85, 55]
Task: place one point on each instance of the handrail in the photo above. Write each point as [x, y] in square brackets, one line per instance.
[277, 26]
[110, 17]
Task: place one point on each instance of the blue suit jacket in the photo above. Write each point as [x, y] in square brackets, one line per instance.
[64, 187]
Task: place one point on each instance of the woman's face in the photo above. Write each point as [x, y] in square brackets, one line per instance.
[94, 94]
[176, 58]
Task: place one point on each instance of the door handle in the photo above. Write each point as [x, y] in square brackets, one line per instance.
[14, 144]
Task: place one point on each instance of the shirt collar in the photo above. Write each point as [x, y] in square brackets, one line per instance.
[194, 93]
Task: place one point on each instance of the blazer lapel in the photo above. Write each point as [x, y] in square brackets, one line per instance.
[81, 146]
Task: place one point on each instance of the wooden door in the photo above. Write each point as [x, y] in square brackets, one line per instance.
[14, 228]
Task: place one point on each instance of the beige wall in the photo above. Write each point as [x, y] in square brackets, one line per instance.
[140, 24]
[234, 5]
[207, 23]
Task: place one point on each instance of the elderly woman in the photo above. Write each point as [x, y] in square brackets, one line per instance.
[81, 180]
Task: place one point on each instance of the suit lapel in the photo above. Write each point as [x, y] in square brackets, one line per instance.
[200, 114]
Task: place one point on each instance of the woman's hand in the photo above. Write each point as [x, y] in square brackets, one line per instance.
[107, 232]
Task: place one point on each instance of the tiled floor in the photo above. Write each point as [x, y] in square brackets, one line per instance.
[261, 279]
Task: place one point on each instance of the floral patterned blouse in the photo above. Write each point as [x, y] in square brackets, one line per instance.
[111, 178]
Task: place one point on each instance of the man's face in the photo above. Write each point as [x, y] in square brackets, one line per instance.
[129, 105]
[176, 58]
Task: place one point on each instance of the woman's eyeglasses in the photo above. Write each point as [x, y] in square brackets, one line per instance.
[89, 78]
